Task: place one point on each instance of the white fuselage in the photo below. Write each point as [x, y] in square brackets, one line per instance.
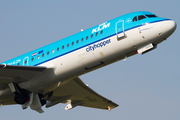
[80, 61]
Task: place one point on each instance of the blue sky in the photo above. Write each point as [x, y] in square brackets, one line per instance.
[146, 86]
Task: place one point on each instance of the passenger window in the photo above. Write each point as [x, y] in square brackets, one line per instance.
[32, 59]
[63, 47]
[58, 49]
[96, 33]
[67, 45]
[135, 19]
[140, 17]
[48, 53]
[82, 40]
[72, 43]
[101, 32]
[92, 36]
[77, 41]
[43, 55]
[87, 38]
[52, 51]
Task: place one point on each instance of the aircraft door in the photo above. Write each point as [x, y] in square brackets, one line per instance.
[26, 61]
[120, 29]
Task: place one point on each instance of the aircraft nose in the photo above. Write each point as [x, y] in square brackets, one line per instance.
[171, 25]
[168, 27]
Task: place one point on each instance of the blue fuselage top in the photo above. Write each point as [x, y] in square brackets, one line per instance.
[83, 39]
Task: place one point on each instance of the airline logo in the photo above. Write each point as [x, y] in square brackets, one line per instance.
[101, 27]
[98, 45]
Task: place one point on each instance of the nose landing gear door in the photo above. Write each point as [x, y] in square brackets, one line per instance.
[120, 29]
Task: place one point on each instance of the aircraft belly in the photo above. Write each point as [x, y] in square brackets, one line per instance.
[88, 60]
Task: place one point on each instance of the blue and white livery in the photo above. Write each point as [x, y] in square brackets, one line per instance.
[49, 75]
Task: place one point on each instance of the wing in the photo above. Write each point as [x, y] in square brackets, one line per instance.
[76, 93]
[18, 74]
[15, 74]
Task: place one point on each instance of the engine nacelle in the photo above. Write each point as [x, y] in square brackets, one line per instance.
[28, 101]
[21, 95]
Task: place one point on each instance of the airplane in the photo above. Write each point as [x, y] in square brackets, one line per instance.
[50, 75]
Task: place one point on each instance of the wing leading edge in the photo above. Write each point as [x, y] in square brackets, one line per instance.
[76, 93]
[18, 74]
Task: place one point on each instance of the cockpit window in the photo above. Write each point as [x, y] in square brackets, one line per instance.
[150, 16]
[135, 19]
[140, 17]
